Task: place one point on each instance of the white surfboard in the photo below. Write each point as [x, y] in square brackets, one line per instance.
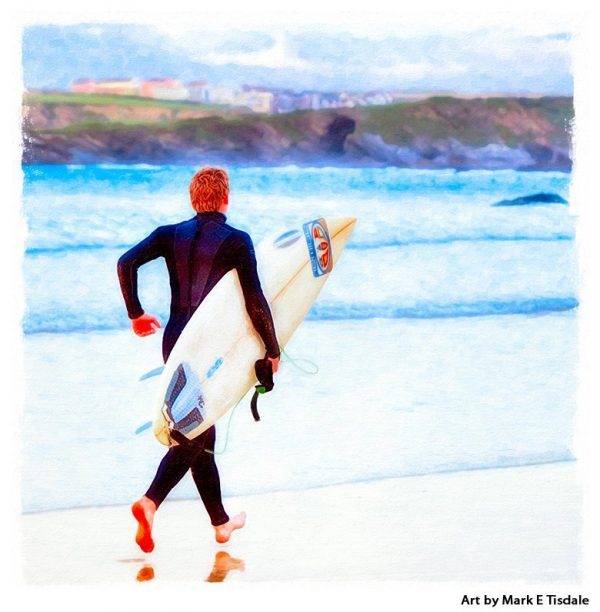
[211, 367]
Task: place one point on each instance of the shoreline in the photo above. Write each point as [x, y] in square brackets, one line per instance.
[358, 482]
[481, 525]
[291, 163]
[120, 165]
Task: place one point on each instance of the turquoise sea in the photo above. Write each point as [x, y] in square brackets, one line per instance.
[445, 339]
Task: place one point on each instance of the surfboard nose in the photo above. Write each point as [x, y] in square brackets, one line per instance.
[340, 229]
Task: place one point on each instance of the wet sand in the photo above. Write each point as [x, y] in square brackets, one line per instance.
[511, 524]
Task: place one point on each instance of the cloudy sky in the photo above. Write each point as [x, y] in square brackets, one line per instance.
[483, 58]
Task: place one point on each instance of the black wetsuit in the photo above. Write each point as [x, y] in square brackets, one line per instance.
[198, 253]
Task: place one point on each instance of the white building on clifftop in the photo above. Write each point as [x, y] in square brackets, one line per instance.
[164, 89]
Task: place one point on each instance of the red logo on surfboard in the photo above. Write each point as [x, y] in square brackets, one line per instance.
[319, 246]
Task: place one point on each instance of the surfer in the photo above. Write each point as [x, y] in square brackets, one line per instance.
[198, 253]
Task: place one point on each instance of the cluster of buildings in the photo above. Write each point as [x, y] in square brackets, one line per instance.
[257, 99]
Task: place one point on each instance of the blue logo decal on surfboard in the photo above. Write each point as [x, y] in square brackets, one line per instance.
[214, 367]
[184, 400]
[319, 246]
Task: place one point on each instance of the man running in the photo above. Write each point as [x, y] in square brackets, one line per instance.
[198, 253]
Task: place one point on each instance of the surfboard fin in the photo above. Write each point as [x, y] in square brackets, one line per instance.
[152, 373]
[143, 427]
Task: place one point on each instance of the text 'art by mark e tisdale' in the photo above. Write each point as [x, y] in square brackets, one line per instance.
[540, 599]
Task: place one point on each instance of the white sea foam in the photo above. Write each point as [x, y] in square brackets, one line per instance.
[391, 398]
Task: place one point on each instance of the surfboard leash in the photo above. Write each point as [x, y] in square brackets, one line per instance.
[313, 371]
[215, 452]
[289, 359]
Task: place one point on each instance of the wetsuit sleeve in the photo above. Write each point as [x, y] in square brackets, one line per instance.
[256, 303]
[148, 249]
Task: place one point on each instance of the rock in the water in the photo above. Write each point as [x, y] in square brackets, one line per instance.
[536, 198]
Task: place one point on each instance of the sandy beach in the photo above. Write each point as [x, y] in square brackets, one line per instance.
[481, 525]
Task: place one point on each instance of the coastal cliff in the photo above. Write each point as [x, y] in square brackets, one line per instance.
[438, 132]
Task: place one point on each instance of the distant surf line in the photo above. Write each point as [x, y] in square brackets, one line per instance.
[335, 311]
[353, 245]
[432, 310]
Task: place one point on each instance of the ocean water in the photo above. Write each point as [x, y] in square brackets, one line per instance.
[445, 339]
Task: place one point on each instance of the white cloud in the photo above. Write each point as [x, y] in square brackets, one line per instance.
[416, 71]
[374, 22]
[278, 56]
[497, 59]
[207, 47]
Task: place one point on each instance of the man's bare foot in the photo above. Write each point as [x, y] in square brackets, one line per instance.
[143, 510]
[223, 532]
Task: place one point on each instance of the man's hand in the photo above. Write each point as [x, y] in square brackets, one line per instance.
[145, 325]
[274, 362]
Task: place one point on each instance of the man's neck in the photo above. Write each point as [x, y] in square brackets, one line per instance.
[216, 215]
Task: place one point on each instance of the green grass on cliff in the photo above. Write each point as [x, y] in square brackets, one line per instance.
[291, 124]
[196, 130]
[79, 99]
[92, 126]
[401, 123]
[240, 126]
[475, 122]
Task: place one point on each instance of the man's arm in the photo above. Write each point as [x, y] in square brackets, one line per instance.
[148, 249]
[256, 303]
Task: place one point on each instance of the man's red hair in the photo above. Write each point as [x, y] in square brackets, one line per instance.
[209, 189]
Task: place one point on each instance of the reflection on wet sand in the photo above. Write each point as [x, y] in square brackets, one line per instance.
[223, 564]
[146, 573]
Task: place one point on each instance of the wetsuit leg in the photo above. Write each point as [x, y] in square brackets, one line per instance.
[179, 459]
[172, 469]
[206, 477]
